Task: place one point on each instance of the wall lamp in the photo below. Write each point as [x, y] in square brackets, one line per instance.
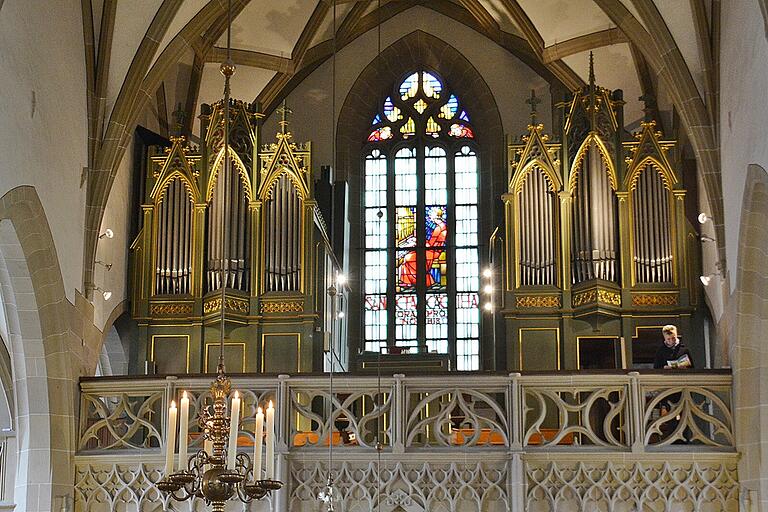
[703, 218]
[107, 266]
[108, 233]
[106, 294]
[706, 279]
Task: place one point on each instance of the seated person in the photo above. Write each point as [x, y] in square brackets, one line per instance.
[672, 354]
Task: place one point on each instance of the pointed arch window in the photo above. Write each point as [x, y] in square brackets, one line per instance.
[421, 262]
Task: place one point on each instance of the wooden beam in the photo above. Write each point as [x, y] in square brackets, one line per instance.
[193, 93]
[252, 59]
[309, 32]
[583, 43]
[481, 14]
[526, 26]
[350, 20]
[558, 68]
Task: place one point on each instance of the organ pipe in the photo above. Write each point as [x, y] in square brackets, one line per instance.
[594, 221]
[283, 237]
[228, 233]
[174, 235]
[537, 257]
[652, 243]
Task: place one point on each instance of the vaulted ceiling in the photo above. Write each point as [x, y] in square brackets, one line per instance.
[151, 55]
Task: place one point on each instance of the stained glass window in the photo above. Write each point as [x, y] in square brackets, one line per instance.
[421, 178]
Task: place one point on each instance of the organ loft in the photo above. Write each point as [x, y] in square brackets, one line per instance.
[577, 264]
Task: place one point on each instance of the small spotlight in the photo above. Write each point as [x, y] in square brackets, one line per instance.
[488, 306]
[705, 280]
[705, 238]
[104, 293]
[703, 218]
[107, 234]
[487, 272]
[341, 279]
[488, 289]
[341, 314]
[107, 266]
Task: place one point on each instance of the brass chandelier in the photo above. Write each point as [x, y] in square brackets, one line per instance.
[217, 473]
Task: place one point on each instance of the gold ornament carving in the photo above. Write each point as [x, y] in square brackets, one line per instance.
[288, 306]
[170, 309]
[586, 297]
[655, 299]
[597, 295]
[538, 301]
[234, 304]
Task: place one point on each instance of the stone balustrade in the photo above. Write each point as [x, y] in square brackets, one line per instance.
[463, 442]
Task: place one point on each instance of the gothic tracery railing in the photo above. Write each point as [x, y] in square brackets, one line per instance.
[613, 412]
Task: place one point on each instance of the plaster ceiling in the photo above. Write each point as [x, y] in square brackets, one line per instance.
[280, 39]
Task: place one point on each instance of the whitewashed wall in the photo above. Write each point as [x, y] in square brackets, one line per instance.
[43, 133]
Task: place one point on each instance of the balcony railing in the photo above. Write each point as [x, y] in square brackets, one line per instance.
[614, 412]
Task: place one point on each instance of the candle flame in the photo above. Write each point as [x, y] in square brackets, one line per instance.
[173, 404]
[237, 395]
[184, 396]
[270, 405]
[258, 411]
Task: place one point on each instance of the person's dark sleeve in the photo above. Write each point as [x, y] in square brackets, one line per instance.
[687, 352]
[658, 360]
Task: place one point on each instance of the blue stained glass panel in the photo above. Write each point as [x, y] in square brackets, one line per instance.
[431, 85]
[409, 87]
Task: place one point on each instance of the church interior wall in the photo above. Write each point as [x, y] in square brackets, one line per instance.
[743, 107]
[43, 137]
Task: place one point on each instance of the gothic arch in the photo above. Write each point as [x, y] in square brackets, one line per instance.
[38, 319]
[750, 320]
[418, 50]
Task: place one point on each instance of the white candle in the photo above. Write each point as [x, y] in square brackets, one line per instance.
[183, 431]
[270, 442]
[258, 435]
[170, 441]
[234, 422]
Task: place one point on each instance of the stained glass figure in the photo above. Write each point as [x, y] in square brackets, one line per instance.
[405, 222]
[406, 270]
[383, 133]
[409, 87]
[437, 275]
[431, 85]
[461, 130]
[436, 221]
[420, 106]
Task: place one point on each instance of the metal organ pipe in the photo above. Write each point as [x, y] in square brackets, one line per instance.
[172, 252]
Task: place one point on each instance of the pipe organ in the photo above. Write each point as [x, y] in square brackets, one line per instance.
[252, 227]
[596, 238]
[282, 262]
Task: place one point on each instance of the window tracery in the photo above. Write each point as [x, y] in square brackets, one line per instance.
[421, 223]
